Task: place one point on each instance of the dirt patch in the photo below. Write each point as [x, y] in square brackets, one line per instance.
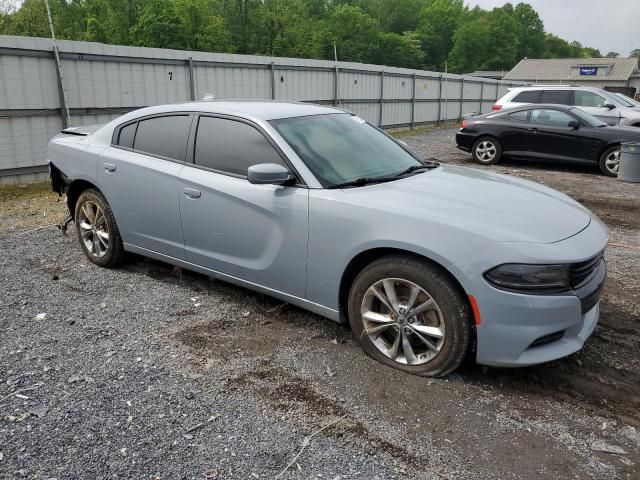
[31, 206]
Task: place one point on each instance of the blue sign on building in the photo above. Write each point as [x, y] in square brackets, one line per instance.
[589, 71]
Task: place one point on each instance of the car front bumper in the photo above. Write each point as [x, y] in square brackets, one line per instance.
[519, 329]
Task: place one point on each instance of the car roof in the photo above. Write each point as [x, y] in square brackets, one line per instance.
[252, 109]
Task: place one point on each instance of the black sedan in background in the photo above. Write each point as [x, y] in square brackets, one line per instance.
[545, 133]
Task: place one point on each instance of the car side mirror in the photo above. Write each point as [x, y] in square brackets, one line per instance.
[574, 124]
[268, 174]
[609, 106]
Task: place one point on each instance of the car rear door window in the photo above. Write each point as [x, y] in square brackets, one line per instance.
[528, 96]
[554, 118]
[164, 136]
[522, 116]
[559, 97]
[231, 147]
[126, 135]
[588, 99]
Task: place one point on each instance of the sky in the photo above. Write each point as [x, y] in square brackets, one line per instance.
[608, 25]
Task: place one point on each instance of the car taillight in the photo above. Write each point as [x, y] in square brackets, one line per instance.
[464, 124]
[496, 107]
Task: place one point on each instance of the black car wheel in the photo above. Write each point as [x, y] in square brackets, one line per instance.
[410, 315]
[487, 150]
[610, 161]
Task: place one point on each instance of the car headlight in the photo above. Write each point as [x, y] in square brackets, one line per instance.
[529, 278]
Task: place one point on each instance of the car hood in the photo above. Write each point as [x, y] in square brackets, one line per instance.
[499, 207]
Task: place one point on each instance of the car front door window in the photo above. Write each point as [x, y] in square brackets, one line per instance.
[551, 118]
[230, 146]
[588, 99]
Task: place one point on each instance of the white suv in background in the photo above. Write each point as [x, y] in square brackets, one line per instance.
[607, 106]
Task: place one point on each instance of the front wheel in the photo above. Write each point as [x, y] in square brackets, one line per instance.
[486, 150]
[410, 315]
[610, 161]
[97, 230]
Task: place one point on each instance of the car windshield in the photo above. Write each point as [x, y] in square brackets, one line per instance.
[588, 119]
[340, 148]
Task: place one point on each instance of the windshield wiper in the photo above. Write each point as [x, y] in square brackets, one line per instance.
[427, 165]
[360, 182]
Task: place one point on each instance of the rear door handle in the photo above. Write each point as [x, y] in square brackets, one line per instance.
[532, 129]
[109, 167]
[192, 193]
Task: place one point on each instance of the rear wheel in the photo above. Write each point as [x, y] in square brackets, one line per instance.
[487, 150]
[610, 161]
[410, 315]
[97, 230]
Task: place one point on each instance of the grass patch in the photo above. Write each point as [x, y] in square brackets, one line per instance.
[23, 207]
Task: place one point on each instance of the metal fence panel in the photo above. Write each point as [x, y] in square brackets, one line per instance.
[27, 82]
[361, 85]
[229, 82]
[299, 85]
[397, 87]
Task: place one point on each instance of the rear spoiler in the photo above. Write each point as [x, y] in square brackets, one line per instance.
[81, 131]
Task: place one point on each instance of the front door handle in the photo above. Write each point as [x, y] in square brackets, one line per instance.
[192, 193]
[532, 129]
[109, 167]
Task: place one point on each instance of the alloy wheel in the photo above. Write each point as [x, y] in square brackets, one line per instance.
[486, 151]
[94, 229]
[612, 162]
[403, 321]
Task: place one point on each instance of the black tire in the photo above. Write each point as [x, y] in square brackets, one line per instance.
[451, 302]
[493, 154]
[113, 253]
[602, 163]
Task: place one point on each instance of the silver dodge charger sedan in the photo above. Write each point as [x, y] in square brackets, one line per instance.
[429, 263]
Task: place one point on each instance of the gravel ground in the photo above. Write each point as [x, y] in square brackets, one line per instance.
[150, 372]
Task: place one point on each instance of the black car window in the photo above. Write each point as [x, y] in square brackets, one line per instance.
[231, 146]
[522, 116]
[588, 99]
[559, 97]
[164, 136]
[127, 134]
[553, 118]
[528, 96]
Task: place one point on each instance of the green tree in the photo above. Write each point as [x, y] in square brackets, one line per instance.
[489, 42]
[400, 50]
[531, 38]
[437, 24]
[612, 55]
[635, 53]
[355, 34]
[159, 26]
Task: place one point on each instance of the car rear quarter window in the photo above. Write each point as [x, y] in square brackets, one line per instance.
[528, 96]
[554, 118]
[588, 99]
[559, 97]
[231, 146]
[522, 116]
[127, 134]
[164, 136]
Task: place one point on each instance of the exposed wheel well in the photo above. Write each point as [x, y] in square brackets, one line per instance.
[75, 188]
[363, 259]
